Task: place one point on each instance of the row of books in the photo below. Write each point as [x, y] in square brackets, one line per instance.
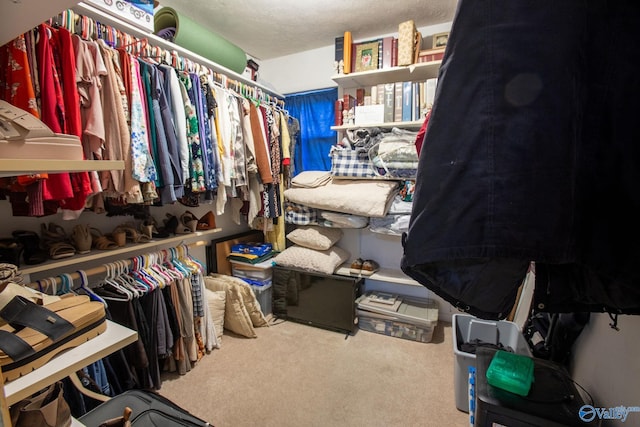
[386, 52]
[388, 102]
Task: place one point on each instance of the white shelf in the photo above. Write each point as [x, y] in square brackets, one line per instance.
[14, 167]
[137, 248]
[416, 124]
[419, 71]
[383, 275]
[114, 338]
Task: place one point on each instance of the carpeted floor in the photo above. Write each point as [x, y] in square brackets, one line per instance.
[299, 375]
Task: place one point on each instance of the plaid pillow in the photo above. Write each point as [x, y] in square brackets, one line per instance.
[351, 163]
[298, 214]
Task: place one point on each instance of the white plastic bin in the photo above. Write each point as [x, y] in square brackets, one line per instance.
[467, 328]
[263, 294]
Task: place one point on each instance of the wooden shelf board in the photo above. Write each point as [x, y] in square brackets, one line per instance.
[114, 338]
[97, 254]
[13, 167]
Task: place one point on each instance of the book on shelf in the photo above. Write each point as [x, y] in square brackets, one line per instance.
[349, 102]
[429, 55]
[374, 94]
[360, 96]
[394, 52]
[387, 43]
[407, 101]
[389, 101]
[339, 55]
[430, 92]
[337, 110]
[397, 104]
[380, 93]
[346, 51]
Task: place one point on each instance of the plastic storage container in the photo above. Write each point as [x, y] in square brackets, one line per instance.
[411, 318]
[261, 271]
[264, 295]
[467, 329]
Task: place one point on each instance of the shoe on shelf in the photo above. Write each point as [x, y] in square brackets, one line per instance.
[32, 253]
[81, 237]
[369, 267]
[188, 222]
[55, 240]
[207, 222]
[356, 266]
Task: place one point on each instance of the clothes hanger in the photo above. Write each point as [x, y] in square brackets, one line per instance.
[84, 282]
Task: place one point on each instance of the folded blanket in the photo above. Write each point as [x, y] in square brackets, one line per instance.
[358, 197]
[311, 179]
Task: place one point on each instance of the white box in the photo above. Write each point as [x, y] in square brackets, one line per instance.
[369, 114]
[126, 11]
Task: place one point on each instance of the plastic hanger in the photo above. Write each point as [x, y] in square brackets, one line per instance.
[84, 282]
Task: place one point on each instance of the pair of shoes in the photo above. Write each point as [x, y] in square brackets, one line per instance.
[149, 229]
[131, 234]
[365, 267]
[55, 240]
[34, 334]
[32, 253]
[207, 222]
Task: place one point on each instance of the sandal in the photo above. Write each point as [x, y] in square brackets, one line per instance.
[34, 334]
[171, 224]
[32, 253]
[131, 233]
[369, 267]
[148, 228]
[188, 223]
[102, 242]
[54, 240]
[207, 222]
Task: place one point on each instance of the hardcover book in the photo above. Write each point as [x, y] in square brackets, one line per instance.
[389, 99]
[397, 106]
[387, 46]
[347, 51]
[407, 102]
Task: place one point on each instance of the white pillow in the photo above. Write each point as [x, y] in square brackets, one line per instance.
[314, 237]
[216, 303]
[312, 260]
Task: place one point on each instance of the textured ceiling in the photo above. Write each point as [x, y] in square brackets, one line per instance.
[267, 29]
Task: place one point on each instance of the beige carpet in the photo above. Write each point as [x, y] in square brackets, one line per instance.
[299, 375]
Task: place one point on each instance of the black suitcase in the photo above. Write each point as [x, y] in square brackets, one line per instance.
[147, 409]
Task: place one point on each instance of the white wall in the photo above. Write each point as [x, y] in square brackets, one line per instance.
[606, 362]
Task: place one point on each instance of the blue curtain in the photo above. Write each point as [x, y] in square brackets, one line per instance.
[314, 111]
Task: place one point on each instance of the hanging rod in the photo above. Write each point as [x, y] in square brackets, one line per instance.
[102, 269]
[105, 18]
